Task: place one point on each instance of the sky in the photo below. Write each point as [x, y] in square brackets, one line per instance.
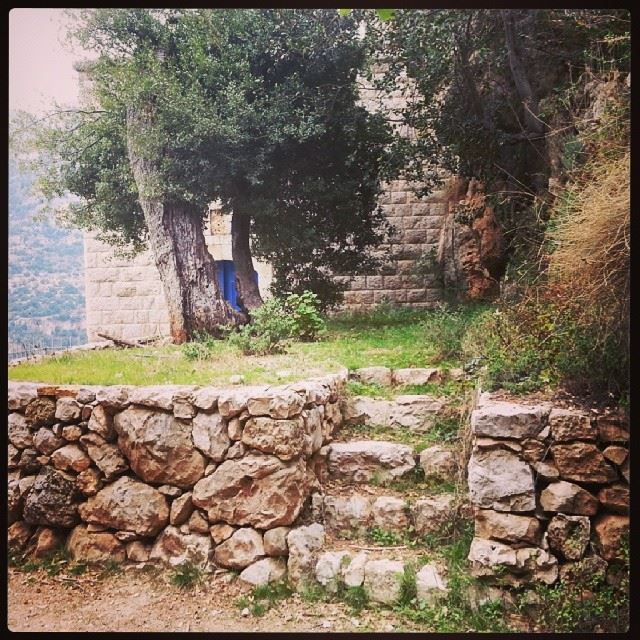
[40, 65]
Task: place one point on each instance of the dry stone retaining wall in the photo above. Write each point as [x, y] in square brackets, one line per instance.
[550, 488]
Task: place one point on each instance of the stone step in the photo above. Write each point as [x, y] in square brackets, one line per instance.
[415, 412]
[384, 376]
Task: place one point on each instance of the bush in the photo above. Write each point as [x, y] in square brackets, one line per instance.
[304, 311]
[200, 348]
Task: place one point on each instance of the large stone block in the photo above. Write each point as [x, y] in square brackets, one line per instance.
[509, 420]
[347, 513]
[430, 514]
[360, 461]
[209, 433]
[243, 548]
[95, 546]
[279, 403]
[567, 425]
[569, 535]
[582, 462]
[304, 545]
[565, 497]
[382, 580]
[283, 438]
[174, 547]
[611, 535]
[52, 500]
[507, 527]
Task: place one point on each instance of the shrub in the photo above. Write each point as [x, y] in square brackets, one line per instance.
[200, 348]
[304, 311]
[186, 576]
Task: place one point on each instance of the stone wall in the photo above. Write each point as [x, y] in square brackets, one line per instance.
[550, 488]
[169, 474]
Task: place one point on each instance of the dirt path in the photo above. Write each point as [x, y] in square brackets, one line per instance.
[139, 601]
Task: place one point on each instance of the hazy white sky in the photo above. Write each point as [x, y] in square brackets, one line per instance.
[40, 65]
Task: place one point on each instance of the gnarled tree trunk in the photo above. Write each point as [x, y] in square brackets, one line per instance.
[249, 297]
[187, 269]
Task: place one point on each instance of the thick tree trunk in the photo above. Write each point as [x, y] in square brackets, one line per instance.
[249, 297]
[187, 269]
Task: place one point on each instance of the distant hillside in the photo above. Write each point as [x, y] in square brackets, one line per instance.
[46, 281]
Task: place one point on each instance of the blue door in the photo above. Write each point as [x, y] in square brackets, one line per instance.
[227, 281]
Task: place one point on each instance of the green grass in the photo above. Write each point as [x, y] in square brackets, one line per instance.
[186, 576]
[264, 597]
[392, 338]
[452, 389]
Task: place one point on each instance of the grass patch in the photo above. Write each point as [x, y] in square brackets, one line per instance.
[264, 597]
[382, 537]
[109, 569]
[414, 481]
[186, 576]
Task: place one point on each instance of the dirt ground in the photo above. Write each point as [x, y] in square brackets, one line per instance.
[135, 600]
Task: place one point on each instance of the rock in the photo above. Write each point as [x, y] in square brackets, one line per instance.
[175, 548]
[206, 398]
[313, 428]
[415, 412]
[508, 420]
[87, 410]
[181, 509]
[95, 547]
[567, 425]
[93, 528]
[615, 454]
[85, 396]
[501, 481]
[159, 447]
[107, 456]
[46, 442]
[611, 533]
[13, 456]
[232, 402]
[546, 470]
[349, 513]
[43, 460]
[41, 412]
[52, 500]
[275, 541]
[243, 548]
[360, 461]
[46, 542]
[18, 535]
[612, 429]
[615, 497]
[494, 443]
[198, 523]
[569, 535]
[221, 531]
[430, 514]
[183, 409]
[20, 394]
[390, 513]
[624, 470]
[415, 376]
[89, 481]
[284, 438]
[236, 450]
[257, 490]
[264, 572]
[533, 450]
[25, 484]
[102, 423]
[236, 379]
[328, 569]
[430, 586]
[67, 410]
[209, 469]
[127, 504]
[159, 397]
[209, 434]
[18, 431]
[438, 462]
[127, 536]
[353, 573]
[29, 461]
[382, 580]
[170, 491]
[569, 498]
[279, 403]
[137, 551]
[582, 462]
[304, 545]
[72, 432]
[70, 457]
[115, 397]
[588, 570]
[374, 375]
[235, 429]
[14, 501]
[507, 527]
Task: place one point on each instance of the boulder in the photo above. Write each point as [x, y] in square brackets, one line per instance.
[509, 420]
[198, 523]
[46, 442]
[106, 456]
[264, 572]
[67, 410]
[89, 481]
[415, 412]
[280, 403]
[235, 428]
[221, 531]
[159, 397]
[349, 513]
[209, 433]
[582, 462]
[206, 398]
[29, 461]
[569, 535]
[546, 470]
[500, 480]
[72, 432]
[175, 547]
[616, 454]
[181, 509]
[613, 429]
[360, 461]
[568, 424]
[275, 541]
[183, 409]
[159, 447]
[415, 376]
[127, 504]
[430, 514]
[257, 490]
[18, 535]
[283, 438]
[507, 527]
[430, 586]
[313, 429]
[611, 535]
[329, 567]
[41, 412]
[566, 497]
[615, 497]
[19, 433]
[20, 394]
[353, 573]
[304, 545]
[13, 457]
[85, 395]
[137, 551]
[390, 513]
[52, 500]
[243, 548]
[438, 462]
[382, 580]
[373, 375]
[101, 422]
[533, 450]
[232, 402]
[70, 458]
[95, 547]
[46, 541]
[114, 397]
[236, 450]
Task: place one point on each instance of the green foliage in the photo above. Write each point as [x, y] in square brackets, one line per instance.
[264, 597]
[314, 592]
[356, 598]
[186, 576]
[78, 569]
[201, 347]
[109, 569]
[304, 311]
[384, 538]
[408, 590]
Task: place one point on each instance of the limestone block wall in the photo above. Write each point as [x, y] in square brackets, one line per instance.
[550, 487]
[168, 474]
